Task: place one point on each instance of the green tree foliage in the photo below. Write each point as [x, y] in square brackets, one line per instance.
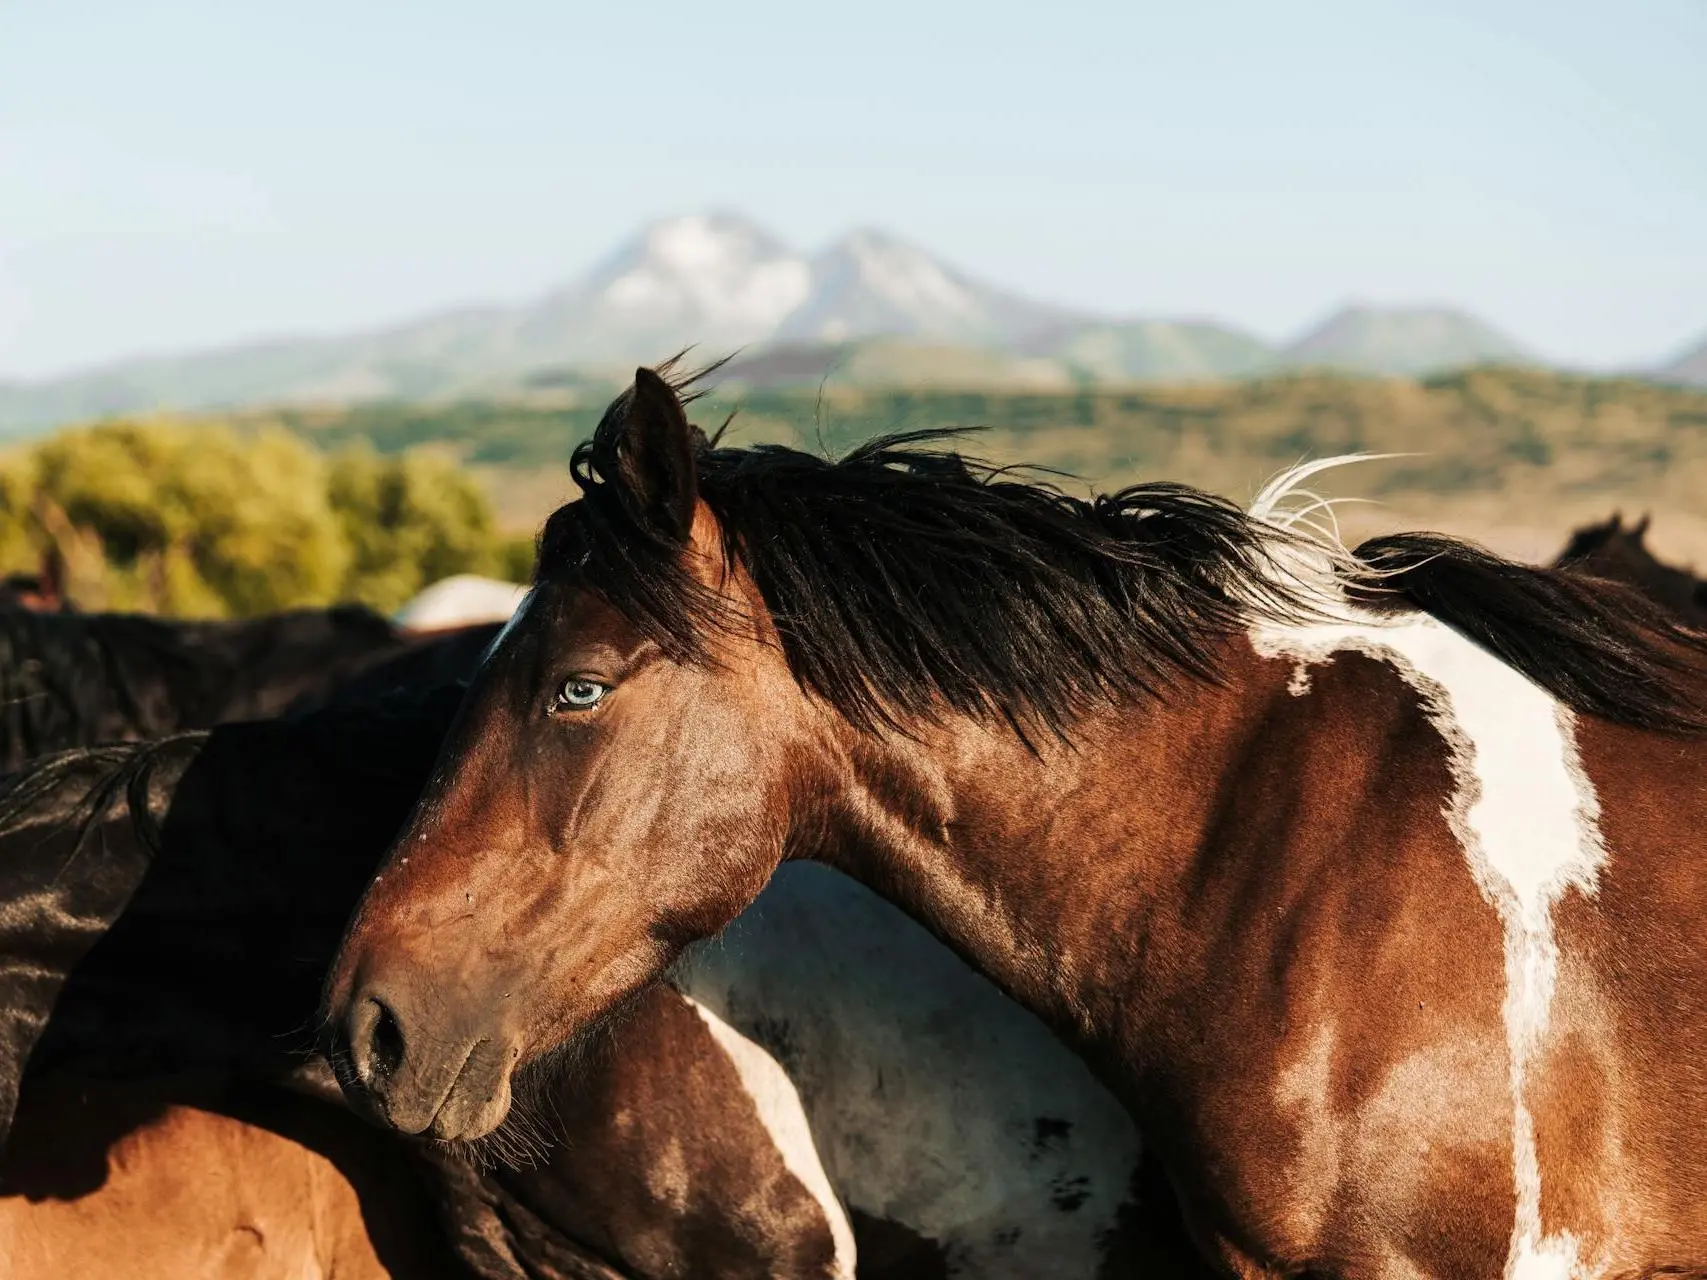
[409, 520]
[199, 519]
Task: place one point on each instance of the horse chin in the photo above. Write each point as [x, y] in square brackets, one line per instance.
[478, 1101]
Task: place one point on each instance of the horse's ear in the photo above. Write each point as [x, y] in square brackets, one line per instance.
[655, 454]
[1639, 530]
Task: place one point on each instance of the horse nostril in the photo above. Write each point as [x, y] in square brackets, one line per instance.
[374, 1040]
[385, 1041]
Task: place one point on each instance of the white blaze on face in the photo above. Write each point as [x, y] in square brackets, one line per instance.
[1527, 818]
[778, 1105]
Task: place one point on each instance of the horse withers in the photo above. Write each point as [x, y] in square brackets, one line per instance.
[1369, 880]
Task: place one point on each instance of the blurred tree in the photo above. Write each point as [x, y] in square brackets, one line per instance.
[409, 519]
[19, 552]
[198, 519]
[515, 559]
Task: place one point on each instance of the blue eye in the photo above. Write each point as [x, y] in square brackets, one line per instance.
[580, 694]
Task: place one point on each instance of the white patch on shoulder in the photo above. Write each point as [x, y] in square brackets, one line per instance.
[1523, 809]
[778, 1105]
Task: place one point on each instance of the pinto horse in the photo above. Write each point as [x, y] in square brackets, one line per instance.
[1370, 880]
[175, 906]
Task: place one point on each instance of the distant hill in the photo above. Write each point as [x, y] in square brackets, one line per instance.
[896, 362]
[1075, 355]
[1413, 340]
[1688, 368]
[869, 309]
[412, 362]
[1481, 430]
[1162, 351]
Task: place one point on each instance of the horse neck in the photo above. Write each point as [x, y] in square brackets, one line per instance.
[1031, 864]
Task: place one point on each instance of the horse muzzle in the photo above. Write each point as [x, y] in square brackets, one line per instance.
[410, 1075]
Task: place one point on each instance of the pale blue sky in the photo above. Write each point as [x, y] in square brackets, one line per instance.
[175, 175]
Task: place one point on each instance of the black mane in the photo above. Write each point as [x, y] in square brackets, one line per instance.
[905, 580]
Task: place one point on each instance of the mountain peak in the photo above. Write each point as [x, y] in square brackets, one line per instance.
[1688, 366]
[701, 278]
[871, 283]
[706, 241]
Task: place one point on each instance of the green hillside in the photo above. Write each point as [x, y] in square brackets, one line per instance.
[1509, 455]
[1158, 350]
[1486, 430]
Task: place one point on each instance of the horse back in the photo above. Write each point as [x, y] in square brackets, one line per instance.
[156, 1181]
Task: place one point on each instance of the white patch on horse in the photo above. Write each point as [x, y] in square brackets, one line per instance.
[1522, 807]
[460, 601]
[778, 1104]
[936, 1102]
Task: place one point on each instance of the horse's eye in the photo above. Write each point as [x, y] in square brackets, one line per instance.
[580, 694]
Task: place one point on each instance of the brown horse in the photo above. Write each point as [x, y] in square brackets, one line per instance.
[1619, 552]
[1370, 881]
[685, 1153]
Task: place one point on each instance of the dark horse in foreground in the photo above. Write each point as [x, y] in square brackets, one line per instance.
[169, 912]
[1372, 882]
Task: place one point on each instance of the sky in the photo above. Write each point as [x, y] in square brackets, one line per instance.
[180, 175]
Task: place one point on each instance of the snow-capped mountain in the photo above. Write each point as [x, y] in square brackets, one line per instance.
[870, 284]
[717, 282]
[713, 280]
[720, 283]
